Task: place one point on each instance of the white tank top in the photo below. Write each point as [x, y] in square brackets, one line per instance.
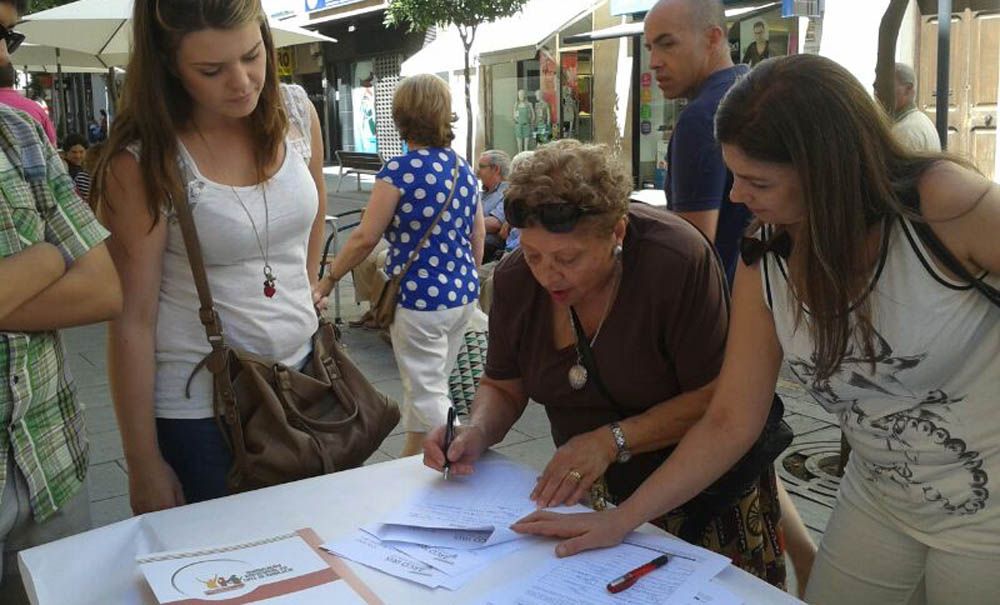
[924, 427]
[280, 327]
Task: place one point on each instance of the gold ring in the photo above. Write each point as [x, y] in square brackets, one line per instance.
[575, 476]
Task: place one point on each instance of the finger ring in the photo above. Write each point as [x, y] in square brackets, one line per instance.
[575, 476]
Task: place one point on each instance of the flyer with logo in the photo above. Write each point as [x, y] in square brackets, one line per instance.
[278, 569]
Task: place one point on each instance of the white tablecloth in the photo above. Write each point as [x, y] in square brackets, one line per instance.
[98, 567]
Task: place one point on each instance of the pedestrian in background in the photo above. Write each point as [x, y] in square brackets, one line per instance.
[440, 290]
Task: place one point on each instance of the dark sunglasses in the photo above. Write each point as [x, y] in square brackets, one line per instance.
[557, 217]
[12, 38]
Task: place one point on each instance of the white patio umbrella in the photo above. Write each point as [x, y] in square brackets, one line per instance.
[104, 27]
[39, 57]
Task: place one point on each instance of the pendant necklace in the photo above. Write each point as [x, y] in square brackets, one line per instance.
[265, 247]
[270, 289]
[578, 374]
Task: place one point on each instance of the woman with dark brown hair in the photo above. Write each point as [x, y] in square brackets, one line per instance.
[612, 316]
[204, 117]
[869, 318]
[427, 192]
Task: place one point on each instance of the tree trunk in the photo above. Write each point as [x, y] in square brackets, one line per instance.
[885, 67]
[468, 35]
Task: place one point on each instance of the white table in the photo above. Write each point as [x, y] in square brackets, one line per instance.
[98, 567]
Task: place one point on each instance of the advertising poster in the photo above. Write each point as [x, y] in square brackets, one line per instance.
[363, 102]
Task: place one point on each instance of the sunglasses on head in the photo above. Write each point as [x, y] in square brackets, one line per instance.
[11, 38]
[555, 217]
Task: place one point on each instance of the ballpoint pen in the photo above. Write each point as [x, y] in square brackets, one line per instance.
[621, 583]
[449, 436]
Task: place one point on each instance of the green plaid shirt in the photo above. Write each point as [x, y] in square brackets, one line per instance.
[41, 424]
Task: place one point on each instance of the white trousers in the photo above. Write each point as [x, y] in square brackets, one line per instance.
[426, 345]
[865, 559]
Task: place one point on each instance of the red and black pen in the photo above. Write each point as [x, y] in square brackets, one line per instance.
[619, 584]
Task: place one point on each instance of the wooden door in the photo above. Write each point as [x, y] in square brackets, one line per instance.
[975, 69]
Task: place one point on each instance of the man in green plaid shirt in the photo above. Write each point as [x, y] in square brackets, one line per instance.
[54, 273]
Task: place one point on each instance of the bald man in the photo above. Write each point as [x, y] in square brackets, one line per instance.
[912, 128]
[689, 52]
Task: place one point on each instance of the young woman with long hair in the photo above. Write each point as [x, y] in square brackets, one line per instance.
[203, 116]
[903, 351]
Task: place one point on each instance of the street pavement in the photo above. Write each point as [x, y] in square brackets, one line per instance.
[805, 466]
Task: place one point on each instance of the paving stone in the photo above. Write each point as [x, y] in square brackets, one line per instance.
[535, 453]
[100, 420]
[533, 422]
[111, 510]
[105, 447]
[95, 396]
[377, 457]
[106, 480]
[802, 424]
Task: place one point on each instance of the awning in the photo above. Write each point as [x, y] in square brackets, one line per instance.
[510, 39]
[635, 28]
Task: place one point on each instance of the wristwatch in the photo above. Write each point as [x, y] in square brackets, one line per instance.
[623, 453]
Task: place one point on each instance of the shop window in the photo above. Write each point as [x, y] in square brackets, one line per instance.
[576, 95]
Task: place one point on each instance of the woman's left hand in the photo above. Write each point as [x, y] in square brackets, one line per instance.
[585, 531]
[574, 468]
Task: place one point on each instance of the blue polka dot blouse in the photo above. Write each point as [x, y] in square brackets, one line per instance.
[444, 274]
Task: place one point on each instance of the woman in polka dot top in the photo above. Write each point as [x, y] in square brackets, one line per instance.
[440, 290]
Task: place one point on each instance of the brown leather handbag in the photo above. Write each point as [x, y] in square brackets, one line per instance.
[284, 424]
[386, 295]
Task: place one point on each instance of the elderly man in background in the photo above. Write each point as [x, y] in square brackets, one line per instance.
[493, 171]
[913, 128]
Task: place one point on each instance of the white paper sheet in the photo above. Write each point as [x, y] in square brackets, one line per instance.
[454, 561]
[713, 594]
[366, 549]
[488, 500]
[582, 579]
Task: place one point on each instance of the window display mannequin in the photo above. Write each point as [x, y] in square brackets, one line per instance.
[570, 109]
[524, 120]
[543, 119]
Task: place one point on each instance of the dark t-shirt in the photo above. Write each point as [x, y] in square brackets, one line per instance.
[697, 178]
[664, 335]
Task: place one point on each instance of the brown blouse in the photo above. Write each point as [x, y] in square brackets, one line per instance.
[664, 335]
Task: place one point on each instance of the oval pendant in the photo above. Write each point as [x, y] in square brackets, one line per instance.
[577, 376]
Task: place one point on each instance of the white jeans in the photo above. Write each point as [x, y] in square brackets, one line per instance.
[864, 558]
[426, 345]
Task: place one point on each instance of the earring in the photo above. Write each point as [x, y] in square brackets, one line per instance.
[617, 253]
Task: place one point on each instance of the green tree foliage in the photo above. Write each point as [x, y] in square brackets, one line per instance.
[467, 15]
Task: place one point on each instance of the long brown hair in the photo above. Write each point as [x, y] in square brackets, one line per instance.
[810, 112]
[155, 106]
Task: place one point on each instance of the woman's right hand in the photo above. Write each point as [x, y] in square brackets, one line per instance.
[154, 486]
[468, 445]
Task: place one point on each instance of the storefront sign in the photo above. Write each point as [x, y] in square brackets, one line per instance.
[315, 5]
[801, 8]
[286, 62]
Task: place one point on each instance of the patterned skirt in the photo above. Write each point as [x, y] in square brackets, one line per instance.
[747, 531]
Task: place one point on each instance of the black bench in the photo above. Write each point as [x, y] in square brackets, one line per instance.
[358, 163]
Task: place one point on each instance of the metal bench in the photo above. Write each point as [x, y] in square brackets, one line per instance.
[358, 163]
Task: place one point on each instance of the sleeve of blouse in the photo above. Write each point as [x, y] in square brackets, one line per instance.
[699, 321]
[501, 353]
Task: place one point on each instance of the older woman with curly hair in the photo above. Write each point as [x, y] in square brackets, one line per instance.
[612, 316]
[440, 289]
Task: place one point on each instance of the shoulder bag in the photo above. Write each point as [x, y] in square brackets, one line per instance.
[283, 424]
[386, 295]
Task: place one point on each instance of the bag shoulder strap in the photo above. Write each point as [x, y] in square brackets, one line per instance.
[207, 313]
[427, 234]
